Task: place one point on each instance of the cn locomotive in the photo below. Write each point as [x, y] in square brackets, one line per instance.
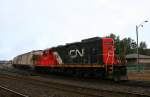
[93, 56]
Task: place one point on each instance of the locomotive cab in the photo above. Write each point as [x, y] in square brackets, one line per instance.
[114, 69]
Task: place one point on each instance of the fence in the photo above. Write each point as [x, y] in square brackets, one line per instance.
[138, 67]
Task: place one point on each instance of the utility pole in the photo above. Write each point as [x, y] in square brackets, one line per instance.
[137, 36]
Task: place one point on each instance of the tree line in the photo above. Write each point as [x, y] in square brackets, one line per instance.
[128, 46]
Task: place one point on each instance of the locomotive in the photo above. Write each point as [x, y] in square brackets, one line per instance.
[93, 56]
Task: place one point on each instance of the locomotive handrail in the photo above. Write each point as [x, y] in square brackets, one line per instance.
[108, 56]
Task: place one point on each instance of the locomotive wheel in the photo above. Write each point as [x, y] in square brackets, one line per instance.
[116, 78]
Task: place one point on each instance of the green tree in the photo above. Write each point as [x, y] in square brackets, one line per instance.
[142, 48]
[143, 45]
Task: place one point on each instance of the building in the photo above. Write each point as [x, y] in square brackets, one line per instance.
[5, 62]
[132, 59]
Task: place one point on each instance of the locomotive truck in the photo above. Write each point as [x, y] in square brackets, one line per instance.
[93, 56]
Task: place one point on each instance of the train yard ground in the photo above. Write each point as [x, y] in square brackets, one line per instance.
[30, 84]
[141, 72]
[6, 92]
[143, 76]
[36, 85]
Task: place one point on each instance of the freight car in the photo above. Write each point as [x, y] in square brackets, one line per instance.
[26, 60]
[93, 56]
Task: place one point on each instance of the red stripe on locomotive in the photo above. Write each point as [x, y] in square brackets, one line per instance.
[47, 59]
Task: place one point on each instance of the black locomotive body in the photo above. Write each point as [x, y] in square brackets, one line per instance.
[87, 51]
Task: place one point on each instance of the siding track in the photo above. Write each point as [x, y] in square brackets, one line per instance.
[6, 92]
[69, 89]
[41, 85]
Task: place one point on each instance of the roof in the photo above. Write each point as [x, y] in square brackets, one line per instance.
[134, 56]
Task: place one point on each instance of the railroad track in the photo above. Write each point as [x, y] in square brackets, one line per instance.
[15, 71]
[82, 91]
[6, 92]
[144, 84]
[78, 89]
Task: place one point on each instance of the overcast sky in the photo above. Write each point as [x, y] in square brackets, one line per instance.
[27, 25]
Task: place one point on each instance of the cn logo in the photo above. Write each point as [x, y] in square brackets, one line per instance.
[75, 52]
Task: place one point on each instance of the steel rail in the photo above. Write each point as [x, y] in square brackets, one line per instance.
[84, 90]
[13, 92]
[144, 84]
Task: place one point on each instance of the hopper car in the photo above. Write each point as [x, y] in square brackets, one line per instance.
[26, 60]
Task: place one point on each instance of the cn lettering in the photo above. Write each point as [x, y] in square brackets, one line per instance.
[75, 52]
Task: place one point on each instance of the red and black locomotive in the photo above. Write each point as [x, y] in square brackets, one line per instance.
[93, 56]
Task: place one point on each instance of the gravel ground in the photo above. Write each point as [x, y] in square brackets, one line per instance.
[36, 90]
[144, 76]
